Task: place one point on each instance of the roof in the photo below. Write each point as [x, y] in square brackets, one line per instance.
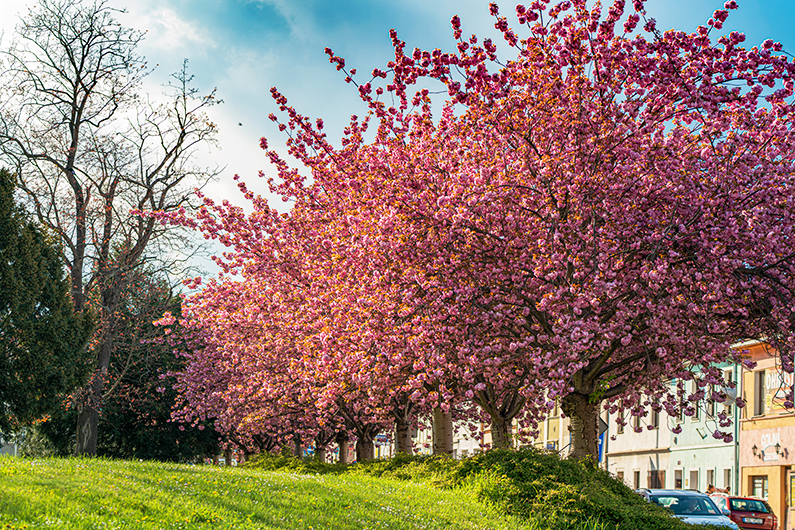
[675, 493]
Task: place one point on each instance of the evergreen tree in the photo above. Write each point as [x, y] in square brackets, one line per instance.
[42, 340]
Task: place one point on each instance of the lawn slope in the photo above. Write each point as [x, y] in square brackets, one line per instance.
[94, 494]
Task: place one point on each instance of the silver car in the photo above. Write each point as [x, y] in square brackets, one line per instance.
[691, 506]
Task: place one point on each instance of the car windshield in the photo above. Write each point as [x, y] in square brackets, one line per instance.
[686, 504]
[748, 505]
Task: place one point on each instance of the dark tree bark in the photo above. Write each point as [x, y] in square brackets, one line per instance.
[442, 432]
[404, 417]
[583, 425]
[322, 439]
[502, 408]
[365, 435]
[403, 443]
[365, 450]
[342, 444]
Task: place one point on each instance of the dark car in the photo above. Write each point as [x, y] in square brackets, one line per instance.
[690, 506]
[748, 512]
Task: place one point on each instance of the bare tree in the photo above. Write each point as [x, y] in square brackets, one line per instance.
[90, 150]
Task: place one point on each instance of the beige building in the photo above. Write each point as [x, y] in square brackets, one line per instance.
[553, 434]
[641, 459]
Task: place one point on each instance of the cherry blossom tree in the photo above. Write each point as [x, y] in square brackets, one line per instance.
[607, 211]
[617, 205]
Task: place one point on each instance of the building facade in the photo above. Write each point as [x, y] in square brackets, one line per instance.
[767, 434]
[640, 459]
[658, 457]
[697, 458]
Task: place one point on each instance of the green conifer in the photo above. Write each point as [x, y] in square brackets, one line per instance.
[42, 340]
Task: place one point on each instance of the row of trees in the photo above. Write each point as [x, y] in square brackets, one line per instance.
[86, 148]
[605, 211]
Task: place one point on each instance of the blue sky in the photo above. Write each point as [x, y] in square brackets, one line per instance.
[244, 47]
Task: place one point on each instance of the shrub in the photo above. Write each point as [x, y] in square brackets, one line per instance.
[560, 493]
[555, 493]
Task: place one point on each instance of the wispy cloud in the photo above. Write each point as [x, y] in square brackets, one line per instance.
[167, 31]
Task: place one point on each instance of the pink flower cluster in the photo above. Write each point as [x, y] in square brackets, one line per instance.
[602, 215]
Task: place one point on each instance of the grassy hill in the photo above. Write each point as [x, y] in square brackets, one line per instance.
[499, 490]
[93, 494]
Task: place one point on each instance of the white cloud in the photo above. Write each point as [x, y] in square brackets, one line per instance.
[168, 31]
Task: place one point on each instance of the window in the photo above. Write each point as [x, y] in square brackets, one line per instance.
[750, 505]
[681, 416]
[728, 376]
[697, 404]
[710, 477]
[727, 479]
[655, 418]
[759, 392]
[678, 479]
[709, 404]
[693, 485]
[692, 505]
[620, 475]
[636, 479]
[759, 486]
[656, 479]
[636, 422]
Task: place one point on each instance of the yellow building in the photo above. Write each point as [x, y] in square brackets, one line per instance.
[767, 434]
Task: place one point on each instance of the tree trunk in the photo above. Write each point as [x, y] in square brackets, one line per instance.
[298, 449]
[442, 432]
[365, 436]
[320, 453]
[342, 443]
[227, 457]
[91, 403]
[87, 422]
[403, 436]
[583, 416]
[365, 450]
[403, 412]
[501, 433]
[502, 408]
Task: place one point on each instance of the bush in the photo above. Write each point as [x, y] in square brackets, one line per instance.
[561, 494]
[305, 466]
[555, 493]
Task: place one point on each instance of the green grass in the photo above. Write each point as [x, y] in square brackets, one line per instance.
[496, 490]
[104, 494]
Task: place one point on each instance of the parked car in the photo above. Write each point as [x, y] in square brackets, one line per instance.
[748, 512]
[691, 506]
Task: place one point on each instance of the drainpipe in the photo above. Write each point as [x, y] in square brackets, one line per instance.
[605, 444]
[740, 380]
